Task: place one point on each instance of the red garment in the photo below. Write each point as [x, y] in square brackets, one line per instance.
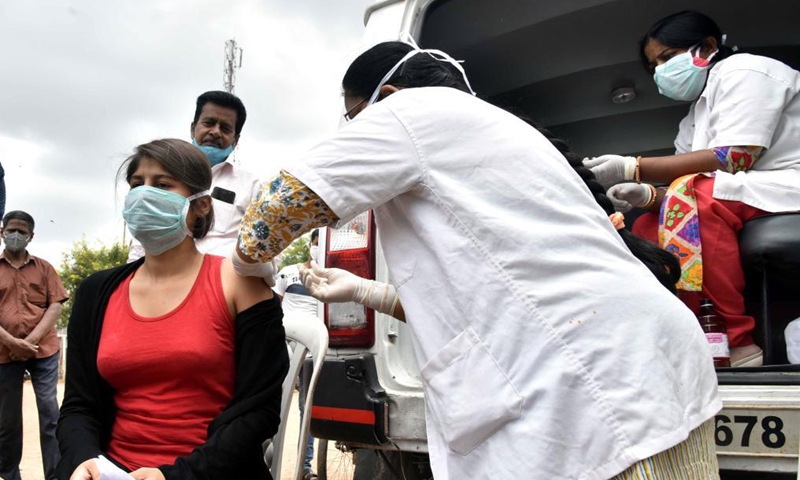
[171, 374]
[723, 276]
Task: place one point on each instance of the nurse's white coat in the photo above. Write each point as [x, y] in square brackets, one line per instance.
[547, 350]
[750, 100]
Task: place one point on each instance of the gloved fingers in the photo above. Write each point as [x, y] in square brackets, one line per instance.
[593, 162]
[621, 206]
[309, 278]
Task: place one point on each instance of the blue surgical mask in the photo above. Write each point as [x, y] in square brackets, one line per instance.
[214, 154]
[683, 76]
[157, 218]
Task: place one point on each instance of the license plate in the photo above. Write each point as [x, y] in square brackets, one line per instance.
[771, 432]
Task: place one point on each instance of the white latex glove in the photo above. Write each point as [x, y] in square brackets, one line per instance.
[334, 285]
[611, 169]
[625, 196]
[264, 270]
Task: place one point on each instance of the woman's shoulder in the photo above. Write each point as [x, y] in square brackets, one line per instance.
[244, 292]
[112, 275]
[756, 63]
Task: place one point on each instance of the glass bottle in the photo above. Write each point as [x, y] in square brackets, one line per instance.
[716, 333]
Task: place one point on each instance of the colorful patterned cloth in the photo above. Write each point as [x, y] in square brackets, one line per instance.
[679, 225]
[283, 210]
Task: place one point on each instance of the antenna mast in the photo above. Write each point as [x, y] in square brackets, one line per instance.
[233, 62]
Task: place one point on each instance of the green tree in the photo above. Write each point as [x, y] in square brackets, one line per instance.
[297, 252]
[80, 262]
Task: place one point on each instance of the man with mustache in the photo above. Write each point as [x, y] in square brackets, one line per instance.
[218, 121]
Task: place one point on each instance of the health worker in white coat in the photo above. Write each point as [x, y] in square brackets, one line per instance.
[741, 135]
[537, 355]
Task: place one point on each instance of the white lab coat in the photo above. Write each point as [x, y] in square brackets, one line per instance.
[221, 239]
[547, 349]
[750, 100]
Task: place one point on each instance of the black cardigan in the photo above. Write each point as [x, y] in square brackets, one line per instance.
[235, 436]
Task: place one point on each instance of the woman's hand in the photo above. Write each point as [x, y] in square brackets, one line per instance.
[147, 474]
[625, 196]
[87, 470]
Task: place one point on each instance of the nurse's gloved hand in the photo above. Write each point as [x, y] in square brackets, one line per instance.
[263, 270]
[625, 196]
[611, 169]
[334, 285]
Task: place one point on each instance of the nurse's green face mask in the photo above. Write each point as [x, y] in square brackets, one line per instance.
[157, 218]
[683, 76]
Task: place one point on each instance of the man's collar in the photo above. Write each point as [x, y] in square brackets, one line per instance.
[28, 257]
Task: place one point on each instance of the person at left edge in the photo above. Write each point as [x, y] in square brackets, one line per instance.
[30, 303]
[219, 118]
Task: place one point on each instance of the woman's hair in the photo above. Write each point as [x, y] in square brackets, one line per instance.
[183, 161]
[684, 30]
[421, 70]
[661, 263]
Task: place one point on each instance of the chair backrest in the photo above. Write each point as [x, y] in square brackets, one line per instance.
[310, 336]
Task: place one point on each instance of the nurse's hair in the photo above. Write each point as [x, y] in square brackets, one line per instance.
[661, 263]
[421, 70]
[684, 30]
[185, 163]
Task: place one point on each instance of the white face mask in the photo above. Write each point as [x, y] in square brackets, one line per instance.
[683, 76]
[435, 54]
[314, 251]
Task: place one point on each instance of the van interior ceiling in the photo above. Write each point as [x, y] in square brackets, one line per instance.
[559, 61]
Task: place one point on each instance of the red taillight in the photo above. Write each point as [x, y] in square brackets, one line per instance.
[352, 248]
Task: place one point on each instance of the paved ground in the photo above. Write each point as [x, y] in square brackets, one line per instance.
[32, 458]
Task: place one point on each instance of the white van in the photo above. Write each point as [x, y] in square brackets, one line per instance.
[573, 66]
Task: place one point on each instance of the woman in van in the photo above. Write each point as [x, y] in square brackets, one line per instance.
[175, 362]
[538, 356]
[737, 157]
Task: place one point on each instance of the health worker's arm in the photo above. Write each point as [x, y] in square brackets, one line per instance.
[334, 285]
[728, 159]
[367, 163]
[283, 210]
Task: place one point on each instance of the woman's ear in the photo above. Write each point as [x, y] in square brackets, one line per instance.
[202, 205]
[709, 46]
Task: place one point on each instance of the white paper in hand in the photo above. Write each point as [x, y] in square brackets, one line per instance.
[109, 471]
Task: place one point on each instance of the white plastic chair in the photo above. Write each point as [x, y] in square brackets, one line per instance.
[310, 336]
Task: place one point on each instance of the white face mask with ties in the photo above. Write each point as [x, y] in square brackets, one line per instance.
[435, 54]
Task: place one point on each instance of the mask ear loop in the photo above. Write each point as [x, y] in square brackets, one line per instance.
[699, 61]
[185, 211]
[433, 54]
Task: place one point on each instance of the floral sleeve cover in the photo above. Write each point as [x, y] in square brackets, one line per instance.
[737, 159]
[283, 210]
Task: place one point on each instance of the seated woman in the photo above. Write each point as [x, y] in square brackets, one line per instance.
[175, 362]
[741, 135]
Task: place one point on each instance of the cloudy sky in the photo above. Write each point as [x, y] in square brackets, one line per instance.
[85, 81]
